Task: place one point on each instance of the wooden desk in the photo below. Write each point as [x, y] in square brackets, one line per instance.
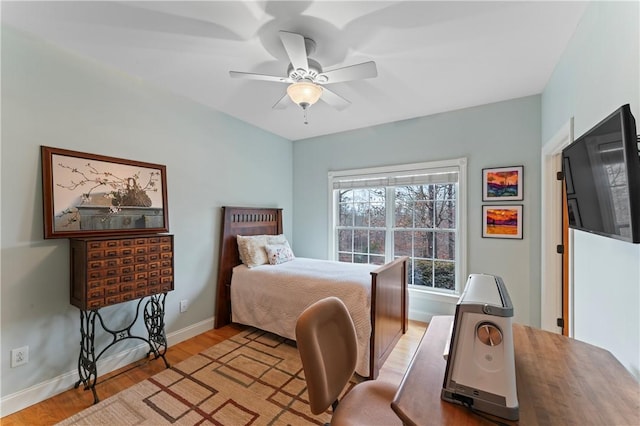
[560, 381]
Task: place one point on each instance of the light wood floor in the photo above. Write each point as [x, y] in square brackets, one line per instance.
[68, 403]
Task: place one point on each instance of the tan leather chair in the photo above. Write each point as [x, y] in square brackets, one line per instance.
[327, 343]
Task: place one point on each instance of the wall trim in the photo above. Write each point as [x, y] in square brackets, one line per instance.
[551, 227]
[45, 390]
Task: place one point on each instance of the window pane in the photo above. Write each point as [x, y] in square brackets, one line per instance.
[361, 195]
[346, 215]
[403, 193]
[445, 214]
[445, 245]
[360, 241]
[361, 214]
[345, 196]
[378, 215]
[376, 242]
[376, 260]
[345, 257]
[423, 214]
[360, 258]
[422, 273]
[345, 240]
[445, 192]
[377, 195]
[404, 215]
[445, 275]
[423, 244]
[402, 243]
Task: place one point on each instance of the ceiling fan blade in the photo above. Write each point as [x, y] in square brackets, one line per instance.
[283, 102]
[352, 72]
[265, 77]
[333, 99]
[294, 45]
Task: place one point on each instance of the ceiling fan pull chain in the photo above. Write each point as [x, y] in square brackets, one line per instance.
[305, 116]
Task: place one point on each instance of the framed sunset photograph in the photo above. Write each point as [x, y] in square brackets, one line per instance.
[502, 184]
[502, 221]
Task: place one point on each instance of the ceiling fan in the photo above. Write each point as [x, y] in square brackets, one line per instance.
[306, 77]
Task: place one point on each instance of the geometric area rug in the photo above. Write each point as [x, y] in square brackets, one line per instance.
[252, 378]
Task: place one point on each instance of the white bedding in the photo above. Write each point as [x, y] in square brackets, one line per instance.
[271, 297]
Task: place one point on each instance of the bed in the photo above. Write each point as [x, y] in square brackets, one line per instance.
[386, 289]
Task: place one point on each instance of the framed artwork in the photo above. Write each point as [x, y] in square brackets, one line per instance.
[502, 184]
[502, 221]
[88, 195]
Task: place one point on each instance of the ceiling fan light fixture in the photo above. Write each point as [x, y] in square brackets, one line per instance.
[304, 93]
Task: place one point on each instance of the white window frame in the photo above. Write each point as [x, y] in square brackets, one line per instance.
[457, 164]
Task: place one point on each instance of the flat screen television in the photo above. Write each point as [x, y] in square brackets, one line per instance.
[602, 178]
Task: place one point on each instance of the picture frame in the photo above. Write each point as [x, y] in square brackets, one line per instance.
[503, 184]
[88, 195]
[502, 221]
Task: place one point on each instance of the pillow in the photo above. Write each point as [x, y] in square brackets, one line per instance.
[252, 248]
[279, 253]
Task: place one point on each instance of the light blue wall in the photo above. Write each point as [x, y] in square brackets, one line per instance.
[495, 135]
[598, 72]
[53, 98]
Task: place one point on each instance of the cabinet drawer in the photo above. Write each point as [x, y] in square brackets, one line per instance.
[95, 304]
[95, 254]
[111, 290]
[141, 249]
[103, 264]
[126, 251]
[112, 300]
[127, 287]
[111, 280]
[112, 252]
[95, 293]
[95, 283]
[96, 264]
[127, 270]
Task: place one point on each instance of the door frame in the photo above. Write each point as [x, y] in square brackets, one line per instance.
[551, 233]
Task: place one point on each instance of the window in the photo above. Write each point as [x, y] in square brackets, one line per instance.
[413, 210]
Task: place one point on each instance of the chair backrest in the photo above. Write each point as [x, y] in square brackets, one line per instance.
[326, 339]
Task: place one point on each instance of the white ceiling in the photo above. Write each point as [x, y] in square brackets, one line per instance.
[431, 56]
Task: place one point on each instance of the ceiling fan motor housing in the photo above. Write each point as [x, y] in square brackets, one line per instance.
[312, 74]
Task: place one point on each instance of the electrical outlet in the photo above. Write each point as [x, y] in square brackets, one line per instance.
[184, 305]
[19, 356]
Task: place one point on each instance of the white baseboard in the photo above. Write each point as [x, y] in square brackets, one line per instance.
[41, 391]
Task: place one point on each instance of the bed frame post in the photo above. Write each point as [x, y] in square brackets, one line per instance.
[239, 221]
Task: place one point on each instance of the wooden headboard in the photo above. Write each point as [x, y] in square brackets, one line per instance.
[239, 221]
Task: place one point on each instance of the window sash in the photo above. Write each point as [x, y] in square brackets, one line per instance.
[442, 172]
